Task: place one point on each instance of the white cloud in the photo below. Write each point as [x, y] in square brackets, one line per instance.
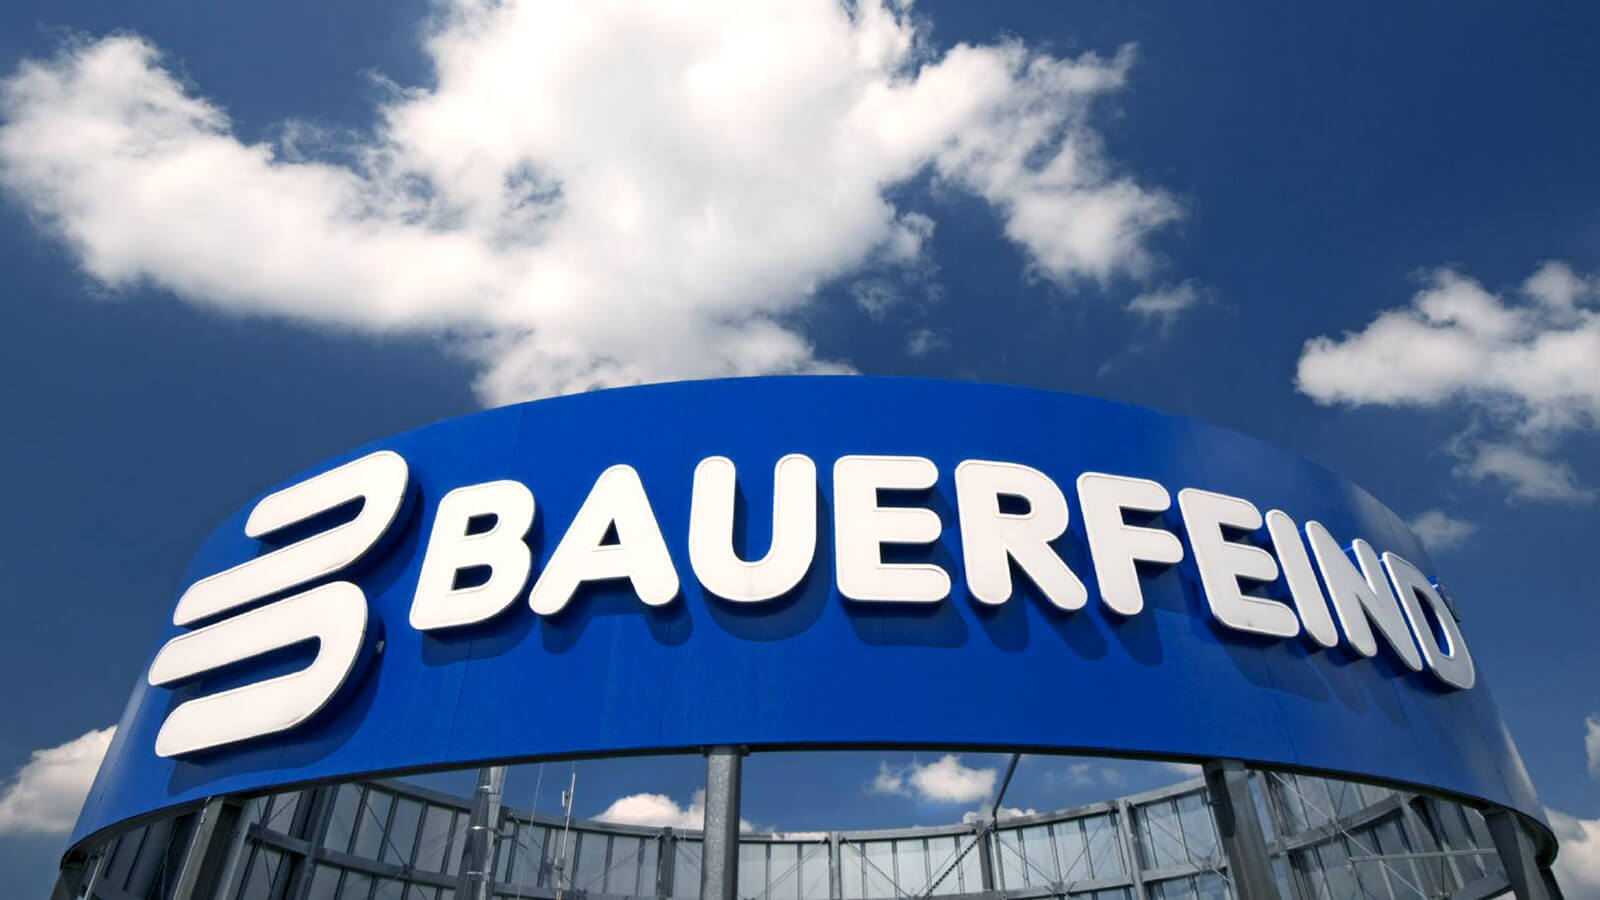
[945, 780]
[660, 811]
[1187, 770]
[1163, 306]
[1526, 475]
[1591, 743]
[588, 194]
[1577, 866]
[890, 781]
[1004, 812]
[45, 795]
[1441, 531]
[1082, 774]
[1526, 364]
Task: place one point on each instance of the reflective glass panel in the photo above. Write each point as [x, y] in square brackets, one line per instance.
[342, 818]
[1210, 886]
[434, 839]
[622, 877]
[911, 864]
[402, 831]
[1199, 832]
[355, 886]
[1041, 858]
[783, 871]
[1071, 850]
[1010, 868]
[880, 869]
[591, 870]
[374, 818]
[814, 863]
[1160, 834]
[324, 883]
[752, 869]
[1105, 846]
[1336, 871]
[281, 817]
[458, 834]
[686, 870]
[649, 859]
[262, 878]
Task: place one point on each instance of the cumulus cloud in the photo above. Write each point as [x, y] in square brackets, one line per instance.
[660, 811]
[1526, 363]
[1442, 531]
[45, 795]
[1577, 866]
[945, 780]
[586, 194]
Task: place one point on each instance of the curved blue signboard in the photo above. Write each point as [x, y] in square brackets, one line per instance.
[807, 562]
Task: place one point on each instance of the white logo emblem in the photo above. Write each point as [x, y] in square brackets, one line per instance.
[333, 614]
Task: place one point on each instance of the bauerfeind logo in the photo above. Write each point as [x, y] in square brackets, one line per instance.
[1009, 514]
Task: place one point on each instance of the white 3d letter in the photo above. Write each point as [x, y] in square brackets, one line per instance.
[990, 539]
[1453, 666]
[794, 530]
[1114, 544]
[1361, 594]
[1223, 562]
[640, 554]
[861, 527]
[1303, 587]
[438, 603]
[335, 614]
[377, 479]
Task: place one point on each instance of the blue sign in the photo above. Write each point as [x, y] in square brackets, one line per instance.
[807, 562]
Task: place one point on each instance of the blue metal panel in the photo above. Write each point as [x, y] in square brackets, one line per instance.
[812, 669]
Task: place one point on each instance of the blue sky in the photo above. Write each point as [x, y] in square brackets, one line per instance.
[1158, 203]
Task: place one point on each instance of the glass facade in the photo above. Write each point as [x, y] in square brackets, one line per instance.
[1328, 840]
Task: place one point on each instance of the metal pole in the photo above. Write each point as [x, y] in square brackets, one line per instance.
[994, 808]
[1249, 866]
[1516, 854]
[666, 863]
[835, 867]
[206, 854]
[719, 863]
[476, 879]
[985, 856]
[1130, 848]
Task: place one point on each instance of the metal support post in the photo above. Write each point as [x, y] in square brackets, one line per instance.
[835, 867]
[666, 863]
[719, 863]
[1516, 854]
[204, 859]
[985, 858]
[1272, 794]
[1249, 866]
[476, 879]
[1130, 848]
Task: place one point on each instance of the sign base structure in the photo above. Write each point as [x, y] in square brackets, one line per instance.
[380, 838]
[767, 564]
